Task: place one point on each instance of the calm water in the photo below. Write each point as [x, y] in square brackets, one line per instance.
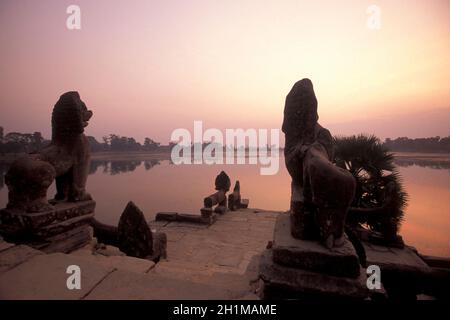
[161, 186]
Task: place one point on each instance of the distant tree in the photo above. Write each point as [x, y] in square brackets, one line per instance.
[118, 143]
[150, 144]
[431, 144]
[37, 141]
[97, 146]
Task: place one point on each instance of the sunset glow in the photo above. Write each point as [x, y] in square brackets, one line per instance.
[148, 67]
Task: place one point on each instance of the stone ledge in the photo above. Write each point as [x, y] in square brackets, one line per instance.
[66, 242]
[64, 226]
[395, 259]
[207, 219]
[12, 221]
[311, 255]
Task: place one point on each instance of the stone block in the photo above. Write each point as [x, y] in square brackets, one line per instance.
[206, 212]
[68, 241]
[311, 255]
[63, 226]
[244, 203]
[166, 216]
[61, 229]
[12, 221]
[395, 259]
[221, 209]
[282, 282]
[403, 273]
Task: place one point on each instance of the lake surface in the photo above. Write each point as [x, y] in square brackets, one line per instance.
[161, 186]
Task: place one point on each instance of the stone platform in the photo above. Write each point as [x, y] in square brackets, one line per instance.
[307, 270]
[62, 229]
[218, 261]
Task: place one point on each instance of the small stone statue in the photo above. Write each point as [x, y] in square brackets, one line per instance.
[222, 185]
[222, 182]
[65, 159]
[321, 192]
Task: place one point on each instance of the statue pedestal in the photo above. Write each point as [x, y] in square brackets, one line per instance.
[311, 255]
[63, 229]
[302, 269]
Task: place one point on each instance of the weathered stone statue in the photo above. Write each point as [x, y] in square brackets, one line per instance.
[296, 265]
[29, 218]
[222, 185]
[66, 159]
[321, 192]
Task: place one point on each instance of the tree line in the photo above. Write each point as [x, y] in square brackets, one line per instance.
[432, 144]
[16, 142]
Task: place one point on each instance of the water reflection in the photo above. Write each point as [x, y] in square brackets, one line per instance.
[424, 163]
[158, 185]
[3, 168]
[111, 167]
[114, 167]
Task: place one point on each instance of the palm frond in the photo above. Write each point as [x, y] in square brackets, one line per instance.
[379, 184]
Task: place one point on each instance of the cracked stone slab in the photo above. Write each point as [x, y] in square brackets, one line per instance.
[133, 286]
[44, 277]
[395, 259]
[5, 245]
[16, 255]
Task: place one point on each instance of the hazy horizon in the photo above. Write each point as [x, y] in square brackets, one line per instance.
[148, 67]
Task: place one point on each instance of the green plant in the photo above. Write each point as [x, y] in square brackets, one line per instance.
[380, 198]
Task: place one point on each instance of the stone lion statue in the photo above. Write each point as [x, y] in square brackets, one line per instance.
[321, 192]
[65, 159]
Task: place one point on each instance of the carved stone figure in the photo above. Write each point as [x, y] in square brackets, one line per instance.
[321, 191]
[65, 159]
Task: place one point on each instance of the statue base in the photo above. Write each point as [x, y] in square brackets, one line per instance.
[64, 228]
[311, 255]
[296, 269]
[284, 282]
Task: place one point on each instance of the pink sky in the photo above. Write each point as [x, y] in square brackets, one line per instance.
[148, 67]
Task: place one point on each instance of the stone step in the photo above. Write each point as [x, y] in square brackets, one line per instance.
[119, 262]
[133, 286]
[45, 277]
[5, 245]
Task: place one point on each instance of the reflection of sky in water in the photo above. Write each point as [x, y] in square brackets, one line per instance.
[160, 186]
